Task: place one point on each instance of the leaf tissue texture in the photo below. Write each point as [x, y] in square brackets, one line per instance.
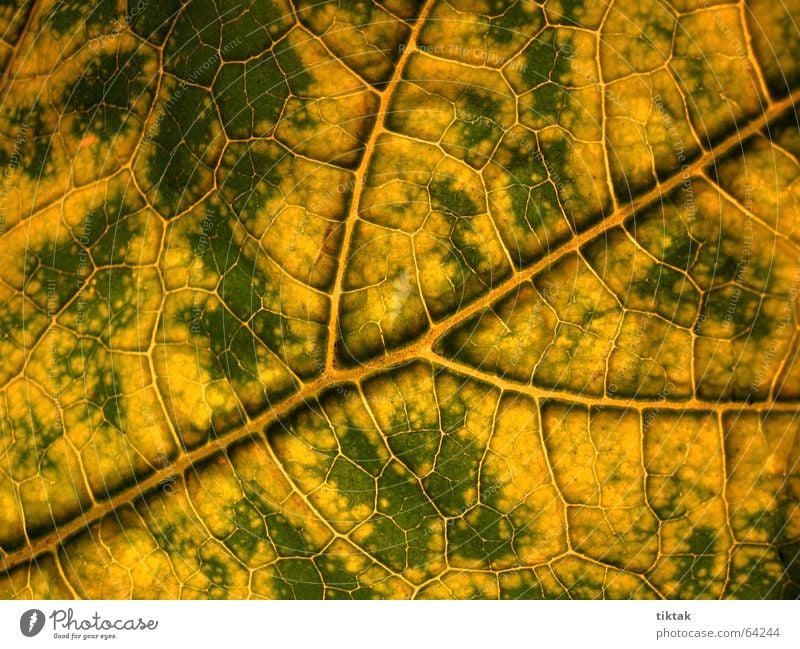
[399, 299]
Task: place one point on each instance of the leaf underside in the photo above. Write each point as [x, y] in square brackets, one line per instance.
[399, 299]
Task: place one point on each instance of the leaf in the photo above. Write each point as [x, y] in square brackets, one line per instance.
[397, 299]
